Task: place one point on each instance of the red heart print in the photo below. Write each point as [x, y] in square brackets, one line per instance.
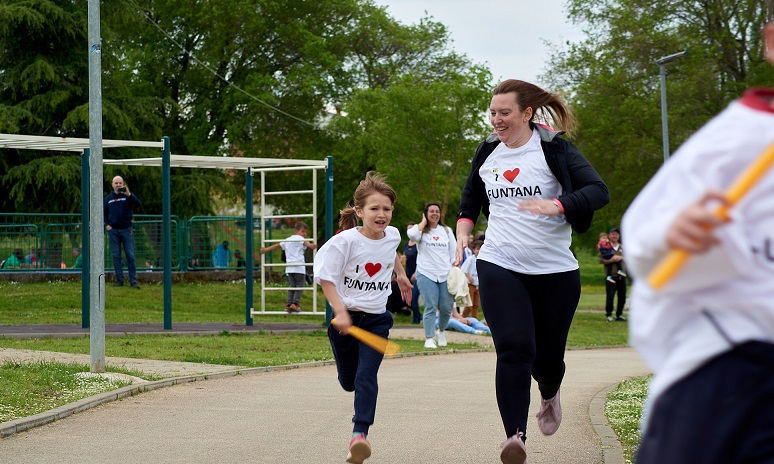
[372, 268]
[510, 175]
[436, 238]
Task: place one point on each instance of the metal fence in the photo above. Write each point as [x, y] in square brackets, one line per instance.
[52, 242]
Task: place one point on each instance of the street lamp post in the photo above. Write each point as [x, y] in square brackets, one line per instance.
[662, 74]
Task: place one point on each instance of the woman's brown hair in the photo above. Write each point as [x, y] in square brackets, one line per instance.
[550, 107]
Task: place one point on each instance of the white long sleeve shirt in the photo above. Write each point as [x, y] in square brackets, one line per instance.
[734, 283]
[436, 251]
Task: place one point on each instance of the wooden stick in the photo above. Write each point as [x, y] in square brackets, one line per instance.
[380, 344]
[676, 259]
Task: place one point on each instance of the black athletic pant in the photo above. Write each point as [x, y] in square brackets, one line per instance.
[530, 316]
[619, 288]
[721, 413]
[358, 364]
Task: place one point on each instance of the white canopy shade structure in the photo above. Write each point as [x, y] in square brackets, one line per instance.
[250, 165]
[37, 142]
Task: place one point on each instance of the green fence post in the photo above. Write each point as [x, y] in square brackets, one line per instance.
[166, 231]
[85, 237]
[328, 220]
[249, 246]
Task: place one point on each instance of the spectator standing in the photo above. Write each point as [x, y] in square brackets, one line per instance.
[532, 185]
[410, 252]
[435, 255]
[221, 257]
[618, 284]
[708, 334]
[119, 211]
[294, 247]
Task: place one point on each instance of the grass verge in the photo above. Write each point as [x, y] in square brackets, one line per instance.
[624, 411]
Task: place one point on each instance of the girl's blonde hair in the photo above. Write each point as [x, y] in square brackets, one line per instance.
[373, 183]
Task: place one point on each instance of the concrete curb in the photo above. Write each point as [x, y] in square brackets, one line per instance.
[612, 451]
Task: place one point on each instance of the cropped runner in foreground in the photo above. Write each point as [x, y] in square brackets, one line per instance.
[708, 334]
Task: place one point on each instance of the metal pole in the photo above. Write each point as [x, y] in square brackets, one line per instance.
[85, 239]
[97, 222]
[328, 221]
[661, 62]
[166, 231]
[664, 122]
[249, 246]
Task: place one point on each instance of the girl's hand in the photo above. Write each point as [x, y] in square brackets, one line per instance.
[342, 322]
[693, 229]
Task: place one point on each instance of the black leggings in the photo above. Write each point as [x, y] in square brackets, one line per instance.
[530, 316]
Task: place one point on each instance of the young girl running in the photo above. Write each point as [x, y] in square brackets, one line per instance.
[354, 269]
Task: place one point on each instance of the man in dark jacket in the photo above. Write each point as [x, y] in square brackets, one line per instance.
[119, 210]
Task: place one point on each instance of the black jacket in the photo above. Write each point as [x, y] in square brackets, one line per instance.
[583, 191]
[119, 210]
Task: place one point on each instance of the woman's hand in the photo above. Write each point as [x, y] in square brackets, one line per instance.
[543, 207]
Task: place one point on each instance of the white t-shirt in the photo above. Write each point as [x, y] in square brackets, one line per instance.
[732, 282]
[519, 240]
[469, 267]
[436, 251]
[294, 254]
[360, 268]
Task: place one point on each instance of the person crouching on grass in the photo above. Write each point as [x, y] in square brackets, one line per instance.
[354, 269]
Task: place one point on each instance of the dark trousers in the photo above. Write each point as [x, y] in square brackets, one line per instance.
[125, 238]
[530, 317]
[721, 413]
[611, 290]
[358, 365]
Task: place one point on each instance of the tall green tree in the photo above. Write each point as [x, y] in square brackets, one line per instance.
[611, 80]
[421, 134]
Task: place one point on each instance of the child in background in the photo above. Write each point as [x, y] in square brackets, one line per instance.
[708, 334]
[354, 269]
[606, 251]
[296, 269]
[468, 266]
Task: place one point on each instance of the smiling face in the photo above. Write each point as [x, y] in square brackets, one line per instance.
[510, 123]
[376, 214]
[433, 215]
[117, 183]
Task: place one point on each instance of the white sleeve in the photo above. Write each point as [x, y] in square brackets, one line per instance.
[414, 233]
[329, 261]
[452, 246]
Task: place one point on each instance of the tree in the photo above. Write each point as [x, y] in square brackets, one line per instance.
[611, 80]
[421, 134]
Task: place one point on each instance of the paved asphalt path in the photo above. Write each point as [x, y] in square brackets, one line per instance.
[432, 409]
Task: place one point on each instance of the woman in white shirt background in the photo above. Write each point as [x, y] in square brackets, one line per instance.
[436, 251]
